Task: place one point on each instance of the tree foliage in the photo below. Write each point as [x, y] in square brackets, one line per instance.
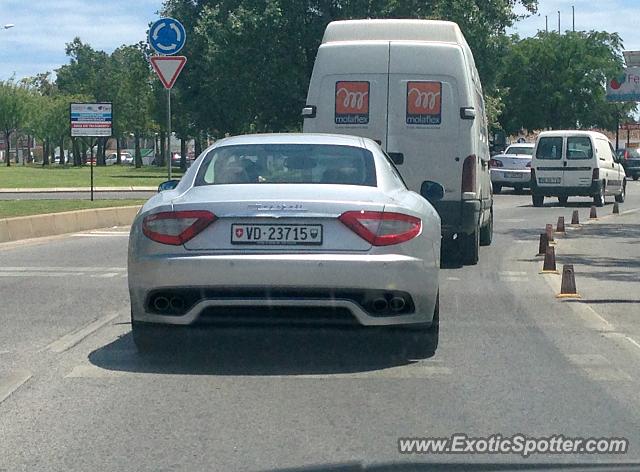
[558, 81]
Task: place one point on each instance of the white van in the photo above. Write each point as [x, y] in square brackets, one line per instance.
[575, 163]
[412, 85]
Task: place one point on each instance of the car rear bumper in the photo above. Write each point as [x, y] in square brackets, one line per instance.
[285, 281]
[511, 177]
[562, 191]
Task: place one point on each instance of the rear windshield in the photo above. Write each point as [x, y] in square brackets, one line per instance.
[519, 150]
[579, 147]
[549, 148]
[630, 153]
[288, 164]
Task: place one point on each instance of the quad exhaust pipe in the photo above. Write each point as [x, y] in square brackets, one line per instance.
[390, 303]
[166, 305]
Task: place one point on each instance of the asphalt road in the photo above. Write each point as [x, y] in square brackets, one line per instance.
[75, 395]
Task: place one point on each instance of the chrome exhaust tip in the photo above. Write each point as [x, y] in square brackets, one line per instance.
[380, 304]
[161, 303]
[397, 304]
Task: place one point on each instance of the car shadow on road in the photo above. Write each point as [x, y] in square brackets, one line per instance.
[269, 350]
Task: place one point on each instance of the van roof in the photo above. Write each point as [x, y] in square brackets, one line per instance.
[394, 30]
[572, 132]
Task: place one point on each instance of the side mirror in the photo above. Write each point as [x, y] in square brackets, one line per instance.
[432, 191]
[397, 158]
[467, 113]
[168, 185]
[309, 111]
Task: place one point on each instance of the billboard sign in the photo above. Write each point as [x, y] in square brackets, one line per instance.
[91, 119]
[625, 87]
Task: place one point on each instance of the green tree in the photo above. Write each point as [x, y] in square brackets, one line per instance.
[558, 81]
[250, 61]
[13, 112]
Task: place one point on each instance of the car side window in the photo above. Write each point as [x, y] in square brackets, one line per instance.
[602, 150]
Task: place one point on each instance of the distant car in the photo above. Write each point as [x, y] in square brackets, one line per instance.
[510, 170]
[525, 149]
[300, 227]
[125, 158]
[630, 159]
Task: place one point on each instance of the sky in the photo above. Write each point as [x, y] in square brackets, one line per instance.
[43, 27]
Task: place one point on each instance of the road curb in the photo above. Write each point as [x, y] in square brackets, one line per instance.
[53, 224]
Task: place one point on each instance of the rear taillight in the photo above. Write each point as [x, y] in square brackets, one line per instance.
[176, 227]
[626, 155]
[382, 229]
[595, 175]
[469, 174]
[495, 163]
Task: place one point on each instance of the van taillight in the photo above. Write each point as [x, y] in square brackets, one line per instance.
[596, 174]
[469, 174]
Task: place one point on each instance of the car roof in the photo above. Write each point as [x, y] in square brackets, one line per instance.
[571, 132]
[294, 138]
[522, 144]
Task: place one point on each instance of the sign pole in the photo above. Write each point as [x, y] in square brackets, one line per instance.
[91, 166]
[169, 130]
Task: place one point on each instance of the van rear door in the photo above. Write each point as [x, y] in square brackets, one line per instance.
[353, 103]
[549, 164]
[423, 123]
[579, 161]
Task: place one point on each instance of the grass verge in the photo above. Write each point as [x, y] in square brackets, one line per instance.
[19, 176]
[13, 208]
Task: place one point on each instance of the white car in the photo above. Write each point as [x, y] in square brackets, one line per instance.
[125, 158]
[510, 170]
[524, 149]
[302, 227]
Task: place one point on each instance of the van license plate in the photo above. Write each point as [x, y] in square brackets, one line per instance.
[549, 180]
[274, 235]
[509, 175]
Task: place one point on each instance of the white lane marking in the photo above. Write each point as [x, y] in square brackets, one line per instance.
[524, 241]
[104, 276]
[513, 220]
[38, 274]
[606, 374]
[514, 279]
[627, 338]
[507, 272]
[71, 339]
[90, 371]
[64, 269]
[453, 278]
[588, 359]
[11, 382]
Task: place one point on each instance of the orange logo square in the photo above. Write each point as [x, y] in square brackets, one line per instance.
[352, 102]
[424, 102]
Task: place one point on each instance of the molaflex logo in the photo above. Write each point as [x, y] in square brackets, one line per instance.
[352, 103]
[424, 103]
[618, 81]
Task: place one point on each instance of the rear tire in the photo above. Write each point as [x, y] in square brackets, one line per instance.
[599, 199]
[538, 200]
[620, 198]
[497, 188]
[470, 248]
[486, 232]
[563, 200]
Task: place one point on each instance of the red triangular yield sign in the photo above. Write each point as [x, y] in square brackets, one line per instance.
[168, 68]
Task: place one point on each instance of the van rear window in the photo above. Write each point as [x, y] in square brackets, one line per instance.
[549, 148]
[579, 147]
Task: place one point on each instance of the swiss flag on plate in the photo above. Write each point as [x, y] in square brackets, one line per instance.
[168, 68]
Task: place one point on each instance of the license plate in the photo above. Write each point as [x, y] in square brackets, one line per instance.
[275, 235]
[509, 175]
[549, 180]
